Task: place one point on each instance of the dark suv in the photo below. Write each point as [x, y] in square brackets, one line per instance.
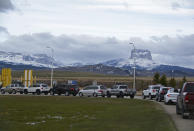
[66, 89]
[185, 100]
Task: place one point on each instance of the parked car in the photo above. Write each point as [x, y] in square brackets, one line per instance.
[12, 88]
[171, 96]
[66, 89]
[38, 89]
[151, 91]
[6, 89]
[121, 91]
[161, 93]
[185, 100]
[93, 90]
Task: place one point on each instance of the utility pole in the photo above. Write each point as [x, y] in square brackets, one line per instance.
[134, 68]
[52, 56]
[172, 71]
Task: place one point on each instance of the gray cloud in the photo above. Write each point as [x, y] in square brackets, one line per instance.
[68, 49]
[87, 49]
[3, 29]
[6, 5]
[175, 5]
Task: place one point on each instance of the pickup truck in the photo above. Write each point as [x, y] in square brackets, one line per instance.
[121, 91]
[38, 89]
[185, 100]
[12, 88]
[151, 91]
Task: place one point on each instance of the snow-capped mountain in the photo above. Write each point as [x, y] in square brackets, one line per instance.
[142, 58]
[38, 60]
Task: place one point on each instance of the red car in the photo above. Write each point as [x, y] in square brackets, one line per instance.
[185, 100]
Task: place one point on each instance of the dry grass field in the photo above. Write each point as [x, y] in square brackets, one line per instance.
[85, 78]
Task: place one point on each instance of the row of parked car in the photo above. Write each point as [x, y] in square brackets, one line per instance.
[183, 98]
[119, 90]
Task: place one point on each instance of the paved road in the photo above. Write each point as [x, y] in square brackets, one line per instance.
[181, 124]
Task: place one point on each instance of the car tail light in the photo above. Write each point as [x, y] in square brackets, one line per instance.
[186, 98]
[162, 92]
[168, 95]
[153, 90]
[72, 89]
[100, 91]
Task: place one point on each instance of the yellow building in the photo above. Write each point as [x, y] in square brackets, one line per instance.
[6, 77]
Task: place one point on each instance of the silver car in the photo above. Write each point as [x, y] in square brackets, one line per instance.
[11, 89]
[93, 90]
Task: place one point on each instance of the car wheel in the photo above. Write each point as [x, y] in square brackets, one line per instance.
[131, 96]
[25, 91]
[159, 99]
[66, 93]
[33, 93]
[177, 110]
[183, 113]
[38, 92]
[14, 91]
[59, 93]
[51, 92]
[121, 94]
[21, 92]
[150, 96]
[81, 94]
[46, 93]
[108, 94]
[2, 92]
[143, 97]
[156, 97]
[95, 94]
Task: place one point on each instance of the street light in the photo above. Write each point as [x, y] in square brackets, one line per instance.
[172, 77]
[134, 79]
[52, 52]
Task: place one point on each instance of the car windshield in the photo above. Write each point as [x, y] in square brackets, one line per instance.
[44, 85]
[114, 87]
[156, 87]
[72, 86]
[165, 89]
[189, 87]
[68, 86]
[86, 88]
[102, 87]
[95, 87]
[123, 87]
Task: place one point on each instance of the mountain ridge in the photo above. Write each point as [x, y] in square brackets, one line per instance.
[145, 66]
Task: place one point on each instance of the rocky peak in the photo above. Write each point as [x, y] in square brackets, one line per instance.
[141, 54]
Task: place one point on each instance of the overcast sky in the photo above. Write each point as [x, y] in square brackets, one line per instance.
[92, 31]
